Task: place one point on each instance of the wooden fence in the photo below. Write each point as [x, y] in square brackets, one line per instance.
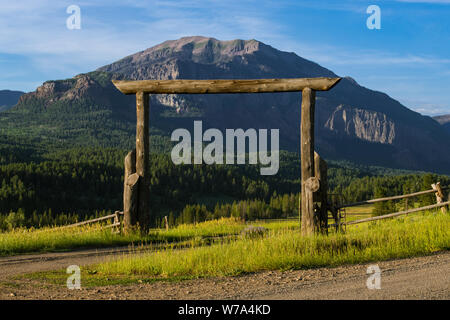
[116, 223]
[436, 189]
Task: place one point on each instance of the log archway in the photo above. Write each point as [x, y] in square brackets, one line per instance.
[139, 180]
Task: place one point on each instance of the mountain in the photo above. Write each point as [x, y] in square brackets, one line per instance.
[352, 122]
[444, 121]
[9, 98]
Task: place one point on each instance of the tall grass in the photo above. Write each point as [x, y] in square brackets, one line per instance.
[284, 248]
[46, 239]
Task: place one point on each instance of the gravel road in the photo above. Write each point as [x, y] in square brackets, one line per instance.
[413, 278]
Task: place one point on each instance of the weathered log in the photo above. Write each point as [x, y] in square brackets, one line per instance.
[403, 196]
[307, 160]
[312, 184]
[320, 172]
[89, 221]
[439, 195]
[130, 192]
[390, 215]
[142, 154]
[224, 86]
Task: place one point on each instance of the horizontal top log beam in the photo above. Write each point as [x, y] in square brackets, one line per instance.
[224, 86]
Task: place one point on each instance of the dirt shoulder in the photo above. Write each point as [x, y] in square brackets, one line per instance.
[414, 278]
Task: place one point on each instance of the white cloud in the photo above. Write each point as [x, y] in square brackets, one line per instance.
[38, 29]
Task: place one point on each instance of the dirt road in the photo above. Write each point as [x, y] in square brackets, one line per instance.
[414, 278]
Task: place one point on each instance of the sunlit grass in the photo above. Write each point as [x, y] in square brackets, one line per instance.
[56, 239]
[285, 248]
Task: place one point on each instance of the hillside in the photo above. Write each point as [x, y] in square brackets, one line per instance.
[352, 122]
[444, 121]
[9, 98]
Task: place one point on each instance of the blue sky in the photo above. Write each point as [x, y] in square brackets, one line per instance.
[408, 58]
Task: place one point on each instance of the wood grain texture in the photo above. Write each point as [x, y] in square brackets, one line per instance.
[321, 173]
[307, 159]
[130, 192]
[224, 86]
[142, 157]
[439, 195]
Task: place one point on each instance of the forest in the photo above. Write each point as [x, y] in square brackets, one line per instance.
[40, 188]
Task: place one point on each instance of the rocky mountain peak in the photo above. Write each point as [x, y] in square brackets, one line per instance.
[207, 58]
[202, 49]
[352, 121]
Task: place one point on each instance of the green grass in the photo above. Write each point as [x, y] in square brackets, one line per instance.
[21, 241]
[283, 248]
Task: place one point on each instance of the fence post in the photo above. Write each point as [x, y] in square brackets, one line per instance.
[320, 172]
[142, 157]
[166, 223]
[117, 220]
[307, 159]
[130, 192]
[439, 195]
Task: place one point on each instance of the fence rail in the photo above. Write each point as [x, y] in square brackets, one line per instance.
[390, 215]
[436, 189]
[115, 216]
[409, 195]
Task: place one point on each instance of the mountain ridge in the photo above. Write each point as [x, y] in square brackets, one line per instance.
[444, 120]
[8, 98]
[352, 122]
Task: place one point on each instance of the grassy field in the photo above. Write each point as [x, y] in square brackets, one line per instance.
[21, 241]
[281, 248]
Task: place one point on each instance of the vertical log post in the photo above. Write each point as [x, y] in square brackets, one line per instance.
[320, 172]
[439, 195]
[130, 193]
[142, 155]
[166, 223]
[307, 160]
[116, 221]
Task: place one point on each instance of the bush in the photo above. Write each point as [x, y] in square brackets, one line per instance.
[14, 220]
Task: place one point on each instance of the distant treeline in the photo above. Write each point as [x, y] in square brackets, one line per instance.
[64, 186]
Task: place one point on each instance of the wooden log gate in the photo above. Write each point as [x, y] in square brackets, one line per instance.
[115, 225]
[136, 180]
[436, 189]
